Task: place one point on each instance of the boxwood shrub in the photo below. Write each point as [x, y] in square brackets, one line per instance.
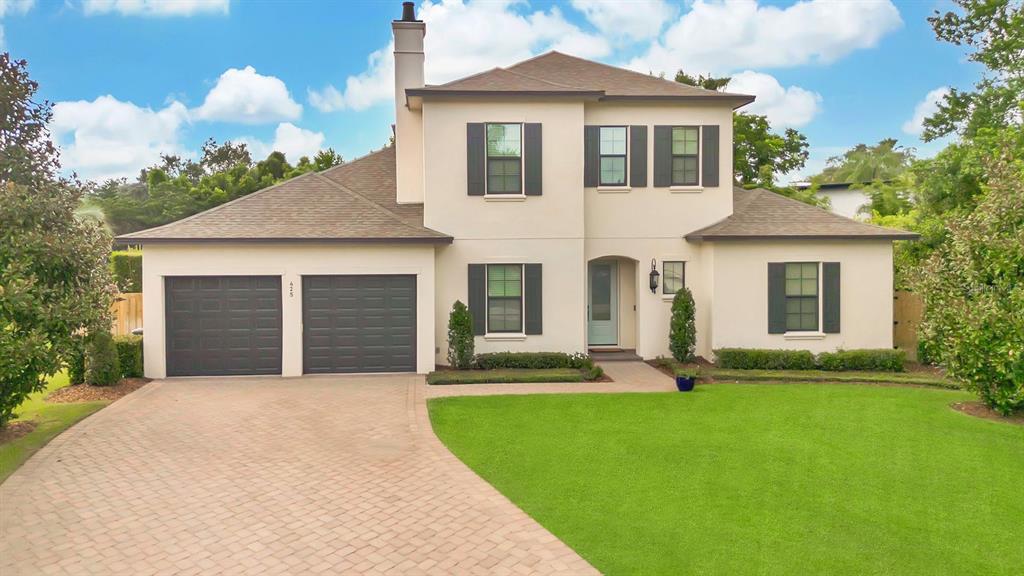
[763, 359]
[883, 360]
[497, 360]
[102, 364]
[129, 351]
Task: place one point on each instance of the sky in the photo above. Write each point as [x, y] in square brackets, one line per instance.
[133, 79]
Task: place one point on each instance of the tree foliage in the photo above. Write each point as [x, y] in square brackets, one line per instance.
[701, 81]
[862, 163]
[54, 280]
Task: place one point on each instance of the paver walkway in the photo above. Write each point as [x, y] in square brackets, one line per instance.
[338, 475]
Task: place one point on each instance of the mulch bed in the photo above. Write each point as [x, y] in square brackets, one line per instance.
[15, 430]
[89, 393]
[979, 410]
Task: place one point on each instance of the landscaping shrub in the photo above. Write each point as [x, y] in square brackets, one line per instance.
[762, 359]
[882, 360]
[129, 354]
[682, 334]
[460, 337]
[496, 360]
[102, 365]
[593, 373]
[504, 376]
[126, 267]
[76, 361]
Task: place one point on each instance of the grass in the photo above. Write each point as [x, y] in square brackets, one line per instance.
[51, 420]
[504, 376]
[871, 377]
[750, 479]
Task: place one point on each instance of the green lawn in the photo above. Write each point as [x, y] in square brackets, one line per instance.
[753, 479]
[51, 420]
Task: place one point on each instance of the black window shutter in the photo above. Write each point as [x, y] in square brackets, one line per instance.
[532, 159]
[478, 297]
[709, 164]
[776, 298]
[591, 156]
[830, 293]
[662, 156]
[638, 156]
[533, 299]
[476, 148]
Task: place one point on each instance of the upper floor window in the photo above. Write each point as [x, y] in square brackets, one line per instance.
[685, 152]
[504, 159]
[613, 156]
[801, 296]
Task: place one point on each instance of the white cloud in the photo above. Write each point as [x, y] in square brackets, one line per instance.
[293, 141]
[15, 6]
[465, 38]
[155, 7]
[246, 97]
[637, 20]
[108, 138]
[790, 106]
[721, 37]
[924, 109]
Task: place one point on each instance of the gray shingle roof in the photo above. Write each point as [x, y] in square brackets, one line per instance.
[354, 202]
[759, 214]
[557, 73]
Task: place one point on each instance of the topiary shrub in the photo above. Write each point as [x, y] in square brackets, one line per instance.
[682, 334]
[129, 354]
[883, 360]
[460, 337]
[126, 267]
[762, 359]
[102, 365]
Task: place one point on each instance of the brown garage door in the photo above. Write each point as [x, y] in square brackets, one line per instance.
[223, 325]
[358, 324]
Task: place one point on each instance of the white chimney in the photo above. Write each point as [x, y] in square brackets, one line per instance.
[409, 33]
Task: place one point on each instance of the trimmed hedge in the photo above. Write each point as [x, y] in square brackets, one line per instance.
[505, 376]
[126, 267]
[76, 361]
[102, 364]
[129, 351]
[884, 360]
[762, 359]
[535, 360]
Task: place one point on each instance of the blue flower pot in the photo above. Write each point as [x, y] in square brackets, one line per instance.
[684, 384]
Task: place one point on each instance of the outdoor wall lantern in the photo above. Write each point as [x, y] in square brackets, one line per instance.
[654, 276]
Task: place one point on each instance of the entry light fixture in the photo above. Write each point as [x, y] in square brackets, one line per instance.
[654, 275]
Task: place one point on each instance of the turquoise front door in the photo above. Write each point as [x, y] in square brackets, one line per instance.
[603, 305]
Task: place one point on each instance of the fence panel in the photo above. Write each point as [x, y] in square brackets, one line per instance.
[127, 309]
[906, 315]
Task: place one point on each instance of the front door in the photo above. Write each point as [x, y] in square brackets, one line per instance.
[603, 307]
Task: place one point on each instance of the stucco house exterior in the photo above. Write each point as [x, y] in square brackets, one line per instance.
[543, 194]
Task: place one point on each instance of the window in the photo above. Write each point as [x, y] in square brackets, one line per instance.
[801, 296]
[613, 156]
[505, 298]
[684, 156]
[673, 276]
[504, 159]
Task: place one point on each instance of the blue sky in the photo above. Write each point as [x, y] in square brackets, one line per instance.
[134, 78]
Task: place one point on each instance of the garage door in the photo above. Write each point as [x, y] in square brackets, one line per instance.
[223, 325]
[358, 324]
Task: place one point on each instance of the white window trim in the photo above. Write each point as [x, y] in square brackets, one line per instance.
[614, 189]
[661, 288]
[522, 166]
[820, 332]
[625, 169]
[686, 189]
[699, 187]
[488, 335]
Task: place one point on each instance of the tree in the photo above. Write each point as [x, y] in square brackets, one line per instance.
[862, 163]
[460, 337]
[54, 281]
[706, 82]
[994, 31]
[682, 335]
[973, 291]
[759, 154]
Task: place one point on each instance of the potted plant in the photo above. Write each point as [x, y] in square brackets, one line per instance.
[685, 378]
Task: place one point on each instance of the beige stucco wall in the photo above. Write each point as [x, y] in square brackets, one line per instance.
[291, 262]
[409, 61]
[740, 288]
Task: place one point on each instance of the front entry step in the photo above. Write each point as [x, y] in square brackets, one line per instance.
[614, 355]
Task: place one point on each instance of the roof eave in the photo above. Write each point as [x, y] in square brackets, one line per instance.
[737, 101]
[427, 92]
[125, 240]
[698, 237]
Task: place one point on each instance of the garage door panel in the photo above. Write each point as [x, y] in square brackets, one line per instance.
[223, 325]
[355, 323]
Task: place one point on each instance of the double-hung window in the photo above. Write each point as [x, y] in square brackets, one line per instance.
[685, 152]
[504, 159]
[673, 276]
[504, 298]
[801, 296]
[613, 156]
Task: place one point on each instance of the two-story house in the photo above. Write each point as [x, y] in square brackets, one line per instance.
[564, 200]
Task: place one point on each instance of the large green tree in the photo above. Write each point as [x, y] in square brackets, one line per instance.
[54, 281]
[862, 163]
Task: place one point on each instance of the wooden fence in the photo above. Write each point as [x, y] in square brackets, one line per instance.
[127, 310]
[906, 315]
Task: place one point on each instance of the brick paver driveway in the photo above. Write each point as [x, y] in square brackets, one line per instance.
[338, 475]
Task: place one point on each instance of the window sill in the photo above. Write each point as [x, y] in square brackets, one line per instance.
[504, 197]
[500, 337]
[685, 189]
[804, 335]
[668, 297]
[613, 189]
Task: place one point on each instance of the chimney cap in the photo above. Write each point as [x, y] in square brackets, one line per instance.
[409, 12]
